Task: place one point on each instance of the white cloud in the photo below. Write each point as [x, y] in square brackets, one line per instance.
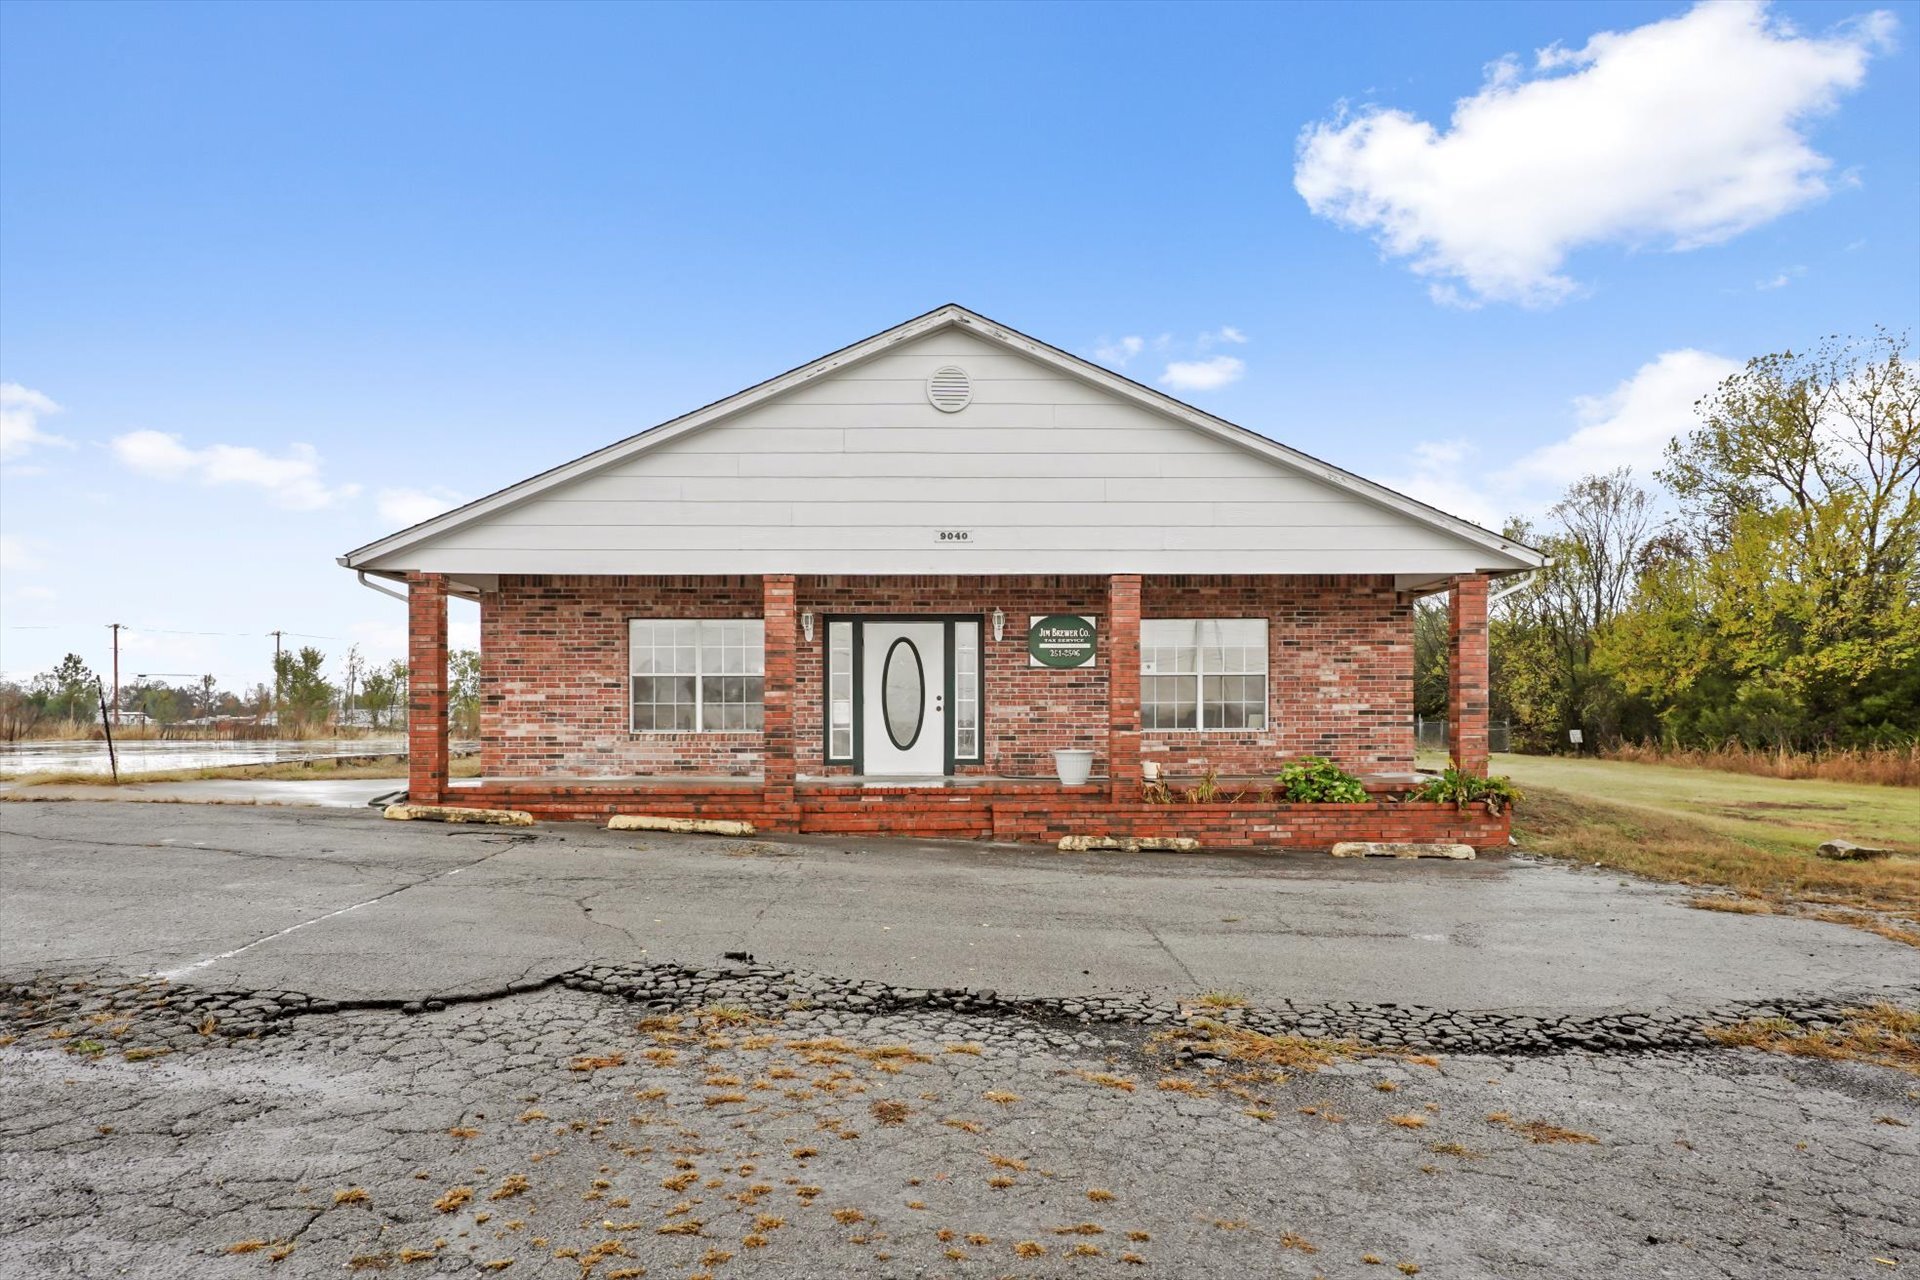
[1225, 333]
[293, 480]
[404, 507]
[1780, 280]
[1678, 134]
[1116, 353]
[21, 409]
[1628, 426]
[1203, 375]
[17, 553]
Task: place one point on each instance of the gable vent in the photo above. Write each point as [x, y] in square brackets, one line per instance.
[950, 389]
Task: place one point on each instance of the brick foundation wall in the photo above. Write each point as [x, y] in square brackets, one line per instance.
[1030, 813]
[554, 692]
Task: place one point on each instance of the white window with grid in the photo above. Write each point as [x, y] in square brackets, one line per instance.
[966, 691]
[697, 676]
[839, 691]
[1203, 673]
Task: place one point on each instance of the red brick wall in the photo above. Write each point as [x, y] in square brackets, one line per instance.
[554, 672]
[1339, 672]
[553, 677]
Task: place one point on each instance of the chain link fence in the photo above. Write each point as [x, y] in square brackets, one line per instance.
[1431, 735]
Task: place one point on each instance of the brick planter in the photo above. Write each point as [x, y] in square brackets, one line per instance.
[1023, 812]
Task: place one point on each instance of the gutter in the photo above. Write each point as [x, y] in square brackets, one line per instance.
[374, 586]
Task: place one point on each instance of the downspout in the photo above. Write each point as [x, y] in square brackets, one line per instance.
[391, 797]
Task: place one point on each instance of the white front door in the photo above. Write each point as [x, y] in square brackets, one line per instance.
[903, 696]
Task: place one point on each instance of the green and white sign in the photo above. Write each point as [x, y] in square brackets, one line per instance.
[1059, 640]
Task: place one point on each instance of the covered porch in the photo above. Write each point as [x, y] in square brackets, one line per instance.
[1337, 682]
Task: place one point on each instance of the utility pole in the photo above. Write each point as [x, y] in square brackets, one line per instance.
[115, 628]
[276, 678]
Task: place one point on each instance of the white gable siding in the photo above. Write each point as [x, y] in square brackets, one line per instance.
[857, 473]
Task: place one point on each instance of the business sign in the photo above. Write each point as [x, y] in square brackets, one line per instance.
[1059, 640]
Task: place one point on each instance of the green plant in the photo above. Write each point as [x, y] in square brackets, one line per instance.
[1317, 780]
[1462, 789]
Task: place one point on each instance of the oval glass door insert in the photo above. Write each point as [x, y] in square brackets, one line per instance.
[903, 693]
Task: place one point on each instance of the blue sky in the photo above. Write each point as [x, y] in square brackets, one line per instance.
[273, 277]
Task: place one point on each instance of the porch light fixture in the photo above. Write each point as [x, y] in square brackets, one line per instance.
[999, 624]
[806, 625]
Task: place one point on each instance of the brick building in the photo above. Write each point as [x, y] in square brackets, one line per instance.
[880, 591]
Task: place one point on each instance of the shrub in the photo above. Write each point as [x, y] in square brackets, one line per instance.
[1317, 780]
[1461, 789]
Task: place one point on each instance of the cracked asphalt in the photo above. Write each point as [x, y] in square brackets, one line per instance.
[559, 1132]
[358, 908]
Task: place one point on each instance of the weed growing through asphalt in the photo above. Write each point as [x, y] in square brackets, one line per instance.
[1885, 1035]
[1221, 1000]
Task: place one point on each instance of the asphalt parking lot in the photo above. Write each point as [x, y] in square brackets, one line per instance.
[342, 904]
[203, 1074]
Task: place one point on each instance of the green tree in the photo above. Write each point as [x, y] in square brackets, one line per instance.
[385, 689]
[305, 695]
[70, 691]
[463, 691]
[1788, 611]
[1546, 629]
[1431, 633]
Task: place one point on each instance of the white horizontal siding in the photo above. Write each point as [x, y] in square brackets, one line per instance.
[857, 473]
[896, 560]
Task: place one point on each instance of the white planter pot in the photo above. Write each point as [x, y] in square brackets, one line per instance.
[1073, 767]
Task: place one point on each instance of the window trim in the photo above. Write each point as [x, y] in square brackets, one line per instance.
[699, 696]
[1199, 676]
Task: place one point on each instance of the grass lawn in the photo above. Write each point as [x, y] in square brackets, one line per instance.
[1732, 831]
[1788, 815]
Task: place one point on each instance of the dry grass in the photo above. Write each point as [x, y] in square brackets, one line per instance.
[1764, 877]
[1875, 766]
[1264, 1052]
[453, 1199]
[1539, 1131]
[377, 768]
[1220, 1000]
[597, 1062]
[1882, 1034]
[1730, 905]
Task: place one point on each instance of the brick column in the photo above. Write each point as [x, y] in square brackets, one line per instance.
[1123, 686]
[1467, 673]
[778, 739]
[426, 687]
